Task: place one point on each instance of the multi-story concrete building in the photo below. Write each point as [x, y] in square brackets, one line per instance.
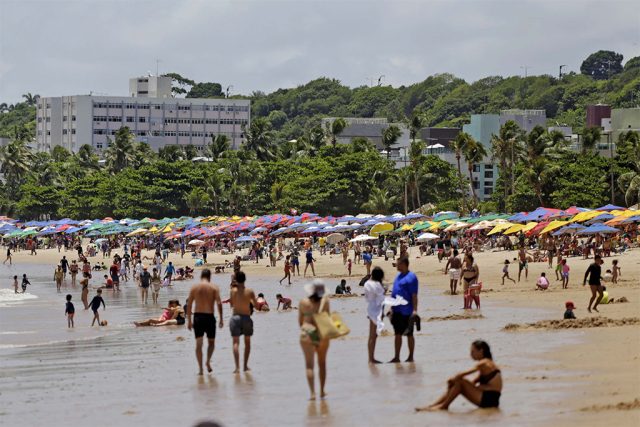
[72, 121]
[526, 119]
[624, 120]
[485, 174]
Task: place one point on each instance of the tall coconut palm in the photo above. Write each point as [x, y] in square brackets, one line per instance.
[219, 145]
[196, 200]
[30, 99]
[334, 129]
[379, 202]
[458, 146]
[417, 159]
[259, 139]
[628, 148]
[143, 154]
[390, 137]
[277, 195]
[87, 158]
[415, 123]
[120, 152]
[474, 153]
[506, 148]
[590, 138]
[214, 187]
[171, 153]
[15, 163]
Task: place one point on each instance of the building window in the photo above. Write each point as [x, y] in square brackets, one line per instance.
[99, 145]
[142, 119]
[488, 190]
[48, 133]
[64, 118]
[39, 119]
[143, 106]
[40, 132]
[73, 118]
[130, 119]
[99, 131]
[64, 131]
[488, 173]
[130, 106]
[73, 131]
[476, 185]
[488, 184]
[476, 168]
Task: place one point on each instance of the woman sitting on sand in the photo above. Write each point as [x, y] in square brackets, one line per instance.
[485, 389]
[172, 315]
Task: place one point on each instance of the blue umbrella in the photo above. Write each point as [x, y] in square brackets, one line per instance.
[610, 207]
[599, 229]
[245, 239]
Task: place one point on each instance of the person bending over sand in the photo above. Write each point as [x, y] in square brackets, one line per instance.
[484, 391]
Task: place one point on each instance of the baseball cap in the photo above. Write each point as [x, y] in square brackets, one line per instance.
[569, 304]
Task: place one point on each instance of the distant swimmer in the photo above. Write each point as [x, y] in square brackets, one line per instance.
[205, 295]
[95, 305]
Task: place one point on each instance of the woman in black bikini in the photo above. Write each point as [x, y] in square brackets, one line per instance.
[470, 273]
[485, 389]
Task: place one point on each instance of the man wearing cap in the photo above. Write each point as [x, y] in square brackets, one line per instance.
[594, 273]
[145, 282]
[403, 317]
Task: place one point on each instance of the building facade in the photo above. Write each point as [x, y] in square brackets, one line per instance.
[72, 121]
[624, 120]
[485, 175]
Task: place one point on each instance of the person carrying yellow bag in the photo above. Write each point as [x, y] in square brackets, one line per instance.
[317, 326]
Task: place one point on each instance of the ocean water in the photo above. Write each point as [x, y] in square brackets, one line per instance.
[123, 375]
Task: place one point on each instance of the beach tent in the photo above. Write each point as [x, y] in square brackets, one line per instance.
[427, 237]
[598, 229]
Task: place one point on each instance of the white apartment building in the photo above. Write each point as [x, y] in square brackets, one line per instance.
[159, 120]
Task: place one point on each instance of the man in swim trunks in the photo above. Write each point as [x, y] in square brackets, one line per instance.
[241, 300]
[205, 295]
[403, 316]
[523, 264]
[454, 264]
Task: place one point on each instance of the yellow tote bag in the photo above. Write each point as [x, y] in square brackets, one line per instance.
[329, 325]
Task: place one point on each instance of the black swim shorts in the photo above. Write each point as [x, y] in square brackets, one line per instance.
[401, 324]
[204, 323]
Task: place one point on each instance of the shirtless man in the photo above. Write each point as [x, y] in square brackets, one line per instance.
[205, 295]
[241, 300]
[523, 264]
[454, 264]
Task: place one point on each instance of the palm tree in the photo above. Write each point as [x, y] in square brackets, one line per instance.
[15, 163]
[458, 146]
[196, 200]
[86, 157]
[590, 138]
[474, 153]
[4, 107]
[259, 139]
[30, 99]
[390, 137]
[44, 171]
[628, 147]
[277, 195]
[171, 153]
[541, 147]
[380, 202]
[214, 187]
[219, 145]
[361, 144]
[416, 123]
[120, 152]
[417, 158]
[334, 129]
[143, 154]
[506, 147]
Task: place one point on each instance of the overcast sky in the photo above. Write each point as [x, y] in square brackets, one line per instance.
[58, 48]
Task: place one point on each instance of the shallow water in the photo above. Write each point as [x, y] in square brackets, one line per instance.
[124, 375]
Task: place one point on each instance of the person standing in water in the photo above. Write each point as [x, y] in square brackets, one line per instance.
[15, 283]
[205, 296]
[241, 299]
[58, 275]
[95, 306]
[374, 295]
[25, 282]
[403, 316]
[594, 273]
[69, 311]
[73, 270]
[454, 264]
[310, 339]
[145, 282]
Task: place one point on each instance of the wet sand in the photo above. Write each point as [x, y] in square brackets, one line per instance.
[124, 375]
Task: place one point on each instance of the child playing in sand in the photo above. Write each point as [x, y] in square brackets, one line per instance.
[95, 305]
[543, 282]
[286, 302]
[505, 271]
[568, 314]
[69, 311]
[565, 273]
[349, 264]
[615, 272]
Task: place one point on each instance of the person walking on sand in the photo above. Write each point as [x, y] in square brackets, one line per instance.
[374, 295]
[95, 306]
[8, 255]
[523, 264]
[310, 340]
[310, 261]
[287, 270]
[156, 284]
[505, 272]
[403, 317]
[615, 272]
[594, 274]
[205, 296]
[454, 264]
[565, 269]
[241, 299]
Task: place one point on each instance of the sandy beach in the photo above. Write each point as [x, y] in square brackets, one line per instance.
[554, 373]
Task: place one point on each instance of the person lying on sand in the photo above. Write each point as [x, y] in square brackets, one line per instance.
[484, 391]
[171, 315]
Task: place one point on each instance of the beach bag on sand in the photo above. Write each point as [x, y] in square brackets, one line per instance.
[329, 325]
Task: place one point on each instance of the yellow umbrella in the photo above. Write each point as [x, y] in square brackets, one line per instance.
[136, 232]
[501, 227]
[167, 228]
[380, 228]
[514, 229]
[407, 227]
[530, 226]
[585, 216]
[153, 229]
[554, 225]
